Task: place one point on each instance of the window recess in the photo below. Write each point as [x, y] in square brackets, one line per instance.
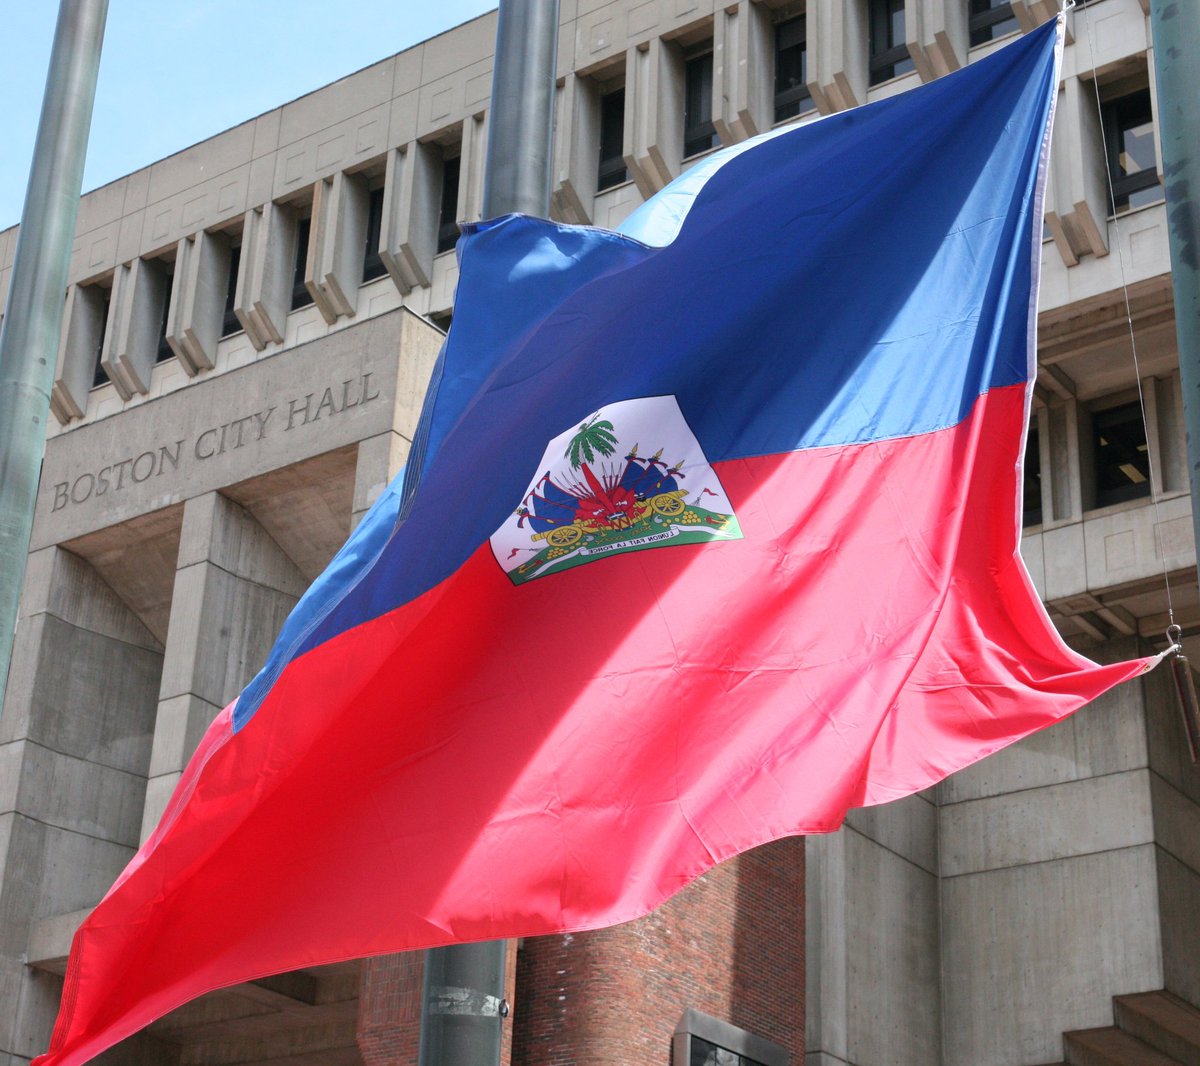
[611, 170]
[447, 233]
[792, 97]
[1132, 163]
[888, 51]
[699, 133]
[301, 297]
[1120, 455]
[372, 265]
[990, 19]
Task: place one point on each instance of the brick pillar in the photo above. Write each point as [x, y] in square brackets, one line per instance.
[389, 1009]
[730, 945]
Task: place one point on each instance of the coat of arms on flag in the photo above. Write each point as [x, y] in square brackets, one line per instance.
[631, 476]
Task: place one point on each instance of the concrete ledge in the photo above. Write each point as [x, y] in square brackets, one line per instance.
[50, 941]
[1041, 824]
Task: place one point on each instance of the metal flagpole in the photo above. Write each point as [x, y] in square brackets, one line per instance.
[33, 318]
[1176, 34]
[462, 1017]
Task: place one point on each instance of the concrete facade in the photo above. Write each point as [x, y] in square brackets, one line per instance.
[250, 325]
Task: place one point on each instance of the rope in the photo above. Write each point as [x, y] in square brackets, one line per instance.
[1172, 628]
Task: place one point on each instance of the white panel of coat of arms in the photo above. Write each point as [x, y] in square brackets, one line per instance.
[630, 477]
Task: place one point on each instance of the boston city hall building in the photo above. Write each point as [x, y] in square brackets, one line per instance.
[249, 328]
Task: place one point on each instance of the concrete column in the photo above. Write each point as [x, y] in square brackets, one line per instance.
[1064, 469]
[1079, 171]
[131, 341]
[234, 586]
[1058, 205]
[471, 166]
[872, 983]
[382, 457]
[1175, 813]
[263, 296]
[937, 36]
[1070, 874]
[837, 54]
[411, 196]
[576, 149]
[1032, 13]
[74, 749]
[84, 327]
[654, 86]
[743, 56]
[336, 242]
[1173, 471]
[198, 299]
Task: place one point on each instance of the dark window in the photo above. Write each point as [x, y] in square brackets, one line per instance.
[1031, 514]
[611, 170]
[705, 1054]
[372, 264]
[301, 297]
[791, 70]
[447, 236]
[699, 134]
[1121, 457]
[99, 377]
[889, 56]
[1129, 135]
[990, 19]
[163, 352]
[230, 323]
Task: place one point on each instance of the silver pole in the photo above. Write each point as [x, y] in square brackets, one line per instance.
[462, 1017]
[33, 318]
[521, 122]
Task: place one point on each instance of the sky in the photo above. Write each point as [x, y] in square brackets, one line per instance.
[174, 72]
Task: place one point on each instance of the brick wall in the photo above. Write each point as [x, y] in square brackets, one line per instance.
[389, 1009]
[731, 945]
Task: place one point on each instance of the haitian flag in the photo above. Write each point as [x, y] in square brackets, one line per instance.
[709, 534]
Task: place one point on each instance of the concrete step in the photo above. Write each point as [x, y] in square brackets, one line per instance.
[1111, 1047]
[1163, 1021]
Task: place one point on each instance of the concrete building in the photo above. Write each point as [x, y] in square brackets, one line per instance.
[248, 331]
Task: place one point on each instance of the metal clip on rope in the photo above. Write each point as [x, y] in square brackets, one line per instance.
[1185, 690]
